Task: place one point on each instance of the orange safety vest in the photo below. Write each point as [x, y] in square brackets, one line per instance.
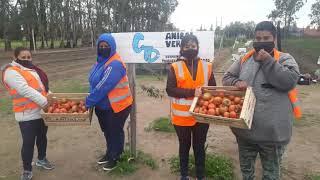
[19, 102]
[293, 94]
[180, 115]
[120, 97]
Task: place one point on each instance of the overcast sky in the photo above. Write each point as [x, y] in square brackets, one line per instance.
[190, 14]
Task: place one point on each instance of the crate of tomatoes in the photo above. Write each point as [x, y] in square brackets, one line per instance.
[67, 109]
[224, 105]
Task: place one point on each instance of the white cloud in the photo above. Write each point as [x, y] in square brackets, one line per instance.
[190, 14]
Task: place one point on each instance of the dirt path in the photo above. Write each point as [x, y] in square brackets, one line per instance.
[75, 149]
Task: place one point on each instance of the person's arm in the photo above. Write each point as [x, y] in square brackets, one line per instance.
[111, 77]
[173, 90]
[16, 81]
[231, 77]
[282, 75]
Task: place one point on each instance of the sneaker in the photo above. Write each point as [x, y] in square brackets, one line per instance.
[184, 178]
[110, 165]
[26, 175]
[103, 160]
[45, 164]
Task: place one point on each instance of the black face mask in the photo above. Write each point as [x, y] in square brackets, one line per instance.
[104, 52]
[190, 54]
[25, 63]
[267, 46]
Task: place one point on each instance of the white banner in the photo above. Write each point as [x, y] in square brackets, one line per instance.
[160, 47]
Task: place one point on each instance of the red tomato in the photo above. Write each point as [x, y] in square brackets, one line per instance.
[211, 112]
[233, 114]
[237, 100]
[211, 106]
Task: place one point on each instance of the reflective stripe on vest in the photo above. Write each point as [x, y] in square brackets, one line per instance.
[180, 106]
[180, 69]
[205, 72]
[293, 94]
[181, 113]
[120, 97]
[122, 85]
[21, 103]
[182, 101]
[204, 67]
[16, 96]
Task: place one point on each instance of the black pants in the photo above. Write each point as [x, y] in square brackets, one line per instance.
[112, 126]
[33, 131]
[199, 136]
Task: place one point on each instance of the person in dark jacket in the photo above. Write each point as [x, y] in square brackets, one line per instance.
[185, 79]
[110, 95]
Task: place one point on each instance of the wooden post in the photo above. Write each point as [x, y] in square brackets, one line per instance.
[33, 40]
[133, 114]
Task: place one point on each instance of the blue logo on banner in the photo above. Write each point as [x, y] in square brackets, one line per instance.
[150, 54]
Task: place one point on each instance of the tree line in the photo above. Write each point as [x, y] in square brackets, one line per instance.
[69, 21]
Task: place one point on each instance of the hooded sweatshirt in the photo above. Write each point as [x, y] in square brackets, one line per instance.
[102, 78]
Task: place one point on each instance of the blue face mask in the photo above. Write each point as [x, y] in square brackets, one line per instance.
[104, 52]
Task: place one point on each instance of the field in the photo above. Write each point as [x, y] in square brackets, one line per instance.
[75, 150]
[306, 52]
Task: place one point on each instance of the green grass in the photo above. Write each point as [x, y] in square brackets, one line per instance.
[162, 124]
[69, 86]
[18, 43]
[126, 167]
[312, 177]
[9, 177]
[305, 51]
[217, 167]
[5, 105]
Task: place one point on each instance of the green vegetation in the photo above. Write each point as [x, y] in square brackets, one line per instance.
[305, 51]
[312, 177]
[126, 167]
[16, 43]
[217, 167]
[68, 86]
[5, 106]
[162, 124]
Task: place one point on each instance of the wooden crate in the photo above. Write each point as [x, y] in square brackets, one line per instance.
[246, 114]
[66, 119]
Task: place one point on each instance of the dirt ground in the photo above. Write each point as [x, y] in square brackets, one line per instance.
[74, 150]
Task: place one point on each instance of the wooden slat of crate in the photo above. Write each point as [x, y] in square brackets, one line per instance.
[246, 114]
[67, 119]
[248, 107]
